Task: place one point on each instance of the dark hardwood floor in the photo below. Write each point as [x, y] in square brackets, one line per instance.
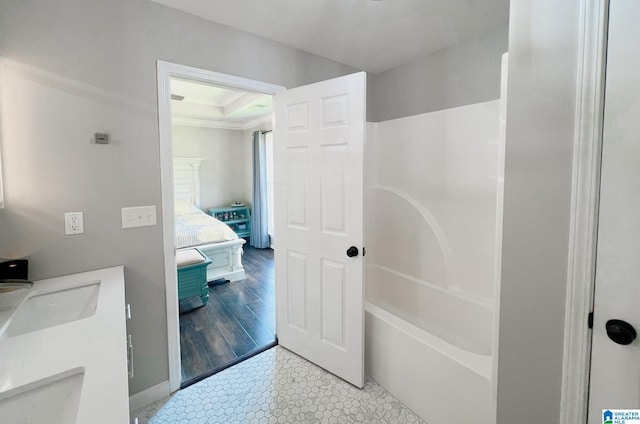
[237, 322]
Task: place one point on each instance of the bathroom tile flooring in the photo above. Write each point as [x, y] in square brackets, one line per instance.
[277, 386]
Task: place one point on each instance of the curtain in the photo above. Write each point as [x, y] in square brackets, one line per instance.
[259, 220]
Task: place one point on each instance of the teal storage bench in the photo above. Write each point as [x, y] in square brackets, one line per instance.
[192, 274]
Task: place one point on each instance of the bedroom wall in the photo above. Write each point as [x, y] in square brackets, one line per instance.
[463, 74]
[223, 167]
[83, 66]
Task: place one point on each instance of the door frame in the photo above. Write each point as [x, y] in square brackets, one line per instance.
[587, 158]
[166, 71]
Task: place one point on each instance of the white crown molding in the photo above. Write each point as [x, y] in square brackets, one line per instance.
[262, 120]
[220, 105]
[211, 123]
[205, 123]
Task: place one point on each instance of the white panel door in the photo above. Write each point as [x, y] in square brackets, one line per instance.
[318, 189]
[615, 368]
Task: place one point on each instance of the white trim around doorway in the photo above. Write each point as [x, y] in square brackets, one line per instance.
[584, 210]
[166, 71]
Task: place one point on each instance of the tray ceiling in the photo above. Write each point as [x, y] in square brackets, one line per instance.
[206, 105]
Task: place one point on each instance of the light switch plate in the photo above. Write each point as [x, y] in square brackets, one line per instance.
[139, 216]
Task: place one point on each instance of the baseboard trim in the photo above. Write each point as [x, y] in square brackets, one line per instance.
[149, 396]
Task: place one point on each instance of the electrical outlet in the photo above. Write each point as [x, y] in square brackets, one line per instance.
[73, 223]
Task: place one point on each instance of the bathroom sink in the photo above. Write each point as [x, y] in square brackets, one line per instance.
[51, 400]
[52, 307]
[63, 353]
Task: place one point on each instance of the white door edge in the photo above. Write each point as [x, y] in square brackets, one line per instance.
[584, 210]
[165, 71]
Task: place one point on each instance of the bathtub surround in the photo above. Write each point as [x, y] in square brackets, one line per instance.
[431, 306]
[430, 264]
[545, 47]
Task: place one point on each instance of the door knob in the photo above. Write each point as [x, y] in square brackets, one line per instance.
[352, 251]
[620, 331]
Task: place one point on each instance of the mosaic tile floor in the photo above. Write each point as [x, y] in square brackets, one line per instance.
[277, 386]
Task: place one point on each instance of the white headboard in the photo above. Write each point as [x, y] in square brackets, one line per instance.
[186, 179]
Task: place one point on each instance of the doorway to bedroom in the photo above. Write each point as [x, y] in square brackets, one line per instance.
[223, 194]
[319, 151]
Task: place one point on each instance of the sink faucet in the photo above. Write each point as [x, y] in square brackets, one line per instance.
[10, 285]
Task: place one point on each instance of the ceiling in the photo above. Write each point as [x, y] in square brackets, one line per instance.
[371, 35]
[208, 105]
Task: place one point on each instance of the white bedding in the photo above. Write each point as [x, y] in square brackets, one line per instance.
[195, 228]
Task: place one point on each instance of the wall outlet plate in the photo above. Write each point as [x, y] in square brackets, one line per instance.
[73, 223]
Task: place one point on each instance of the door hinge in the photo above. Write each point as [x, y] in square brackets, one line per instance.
[590, 320]
[364, 251]
[129, 356]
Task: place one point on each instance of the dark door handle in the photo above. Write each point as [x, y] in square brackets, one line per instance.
[620, 331]
[352, 251]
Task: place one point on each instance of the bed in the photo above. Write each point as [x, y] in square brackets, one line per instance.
[194, 228]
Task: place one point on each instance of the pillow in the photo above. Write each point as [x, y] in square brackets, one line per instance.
[183, 207]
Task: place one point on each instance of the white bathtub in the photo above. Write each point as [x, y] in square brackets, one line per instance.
[430, 269]
[437, 380]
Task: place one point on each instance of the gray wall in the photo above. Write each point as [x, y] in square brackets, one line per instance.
[97, 64]
[466, 73]
[222, 171]
[543, 45]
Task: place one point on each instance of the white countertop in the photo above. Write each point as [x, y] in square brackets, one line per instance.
[96, 344]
